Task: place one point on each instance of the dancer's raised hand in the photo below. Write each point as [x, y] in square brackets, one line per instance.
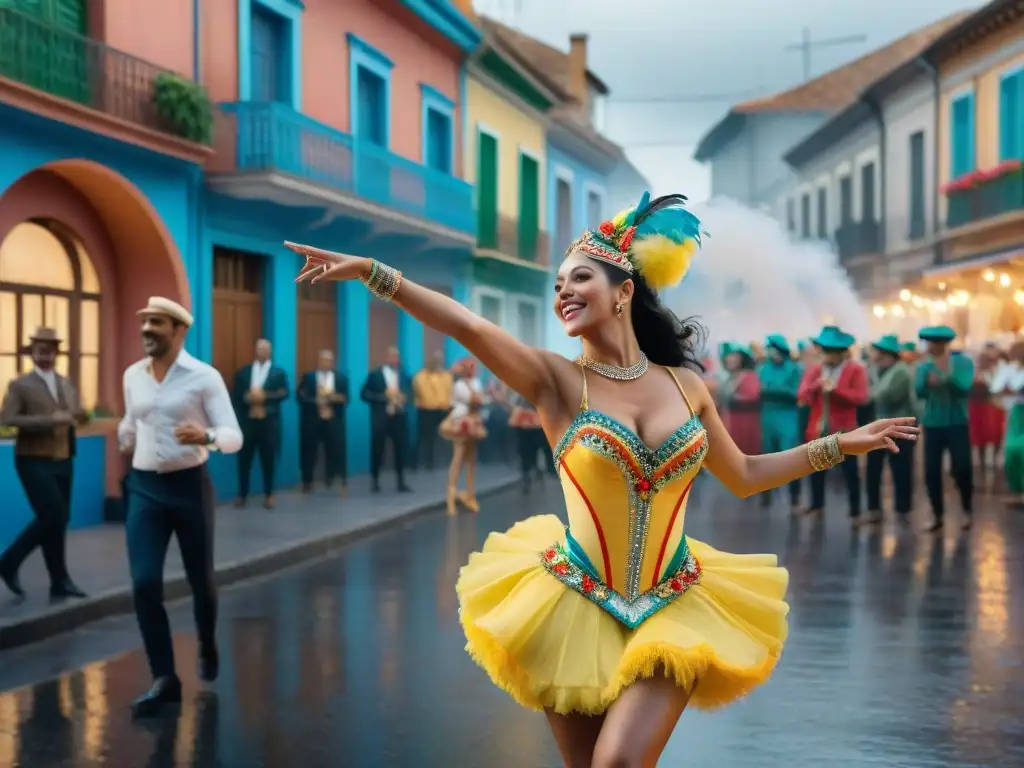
[328, 265]
[878, 434]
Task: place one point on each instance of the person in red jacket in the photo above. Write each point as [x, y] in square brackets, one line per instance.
[833, 388]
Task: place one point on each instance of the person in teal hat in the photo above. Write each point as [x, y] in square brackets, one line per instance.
[834, 388]
[943, 383]
[780, 422]
[892, 391]
[740, 399]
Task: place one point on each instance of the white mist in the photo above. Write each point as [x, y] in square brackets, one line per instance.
[750, 279]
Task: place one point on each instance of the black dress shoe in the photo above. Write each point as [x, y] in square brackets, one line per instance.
[66, 588]
[403, 488]
[12, 582]
[165, 691]
[209, 663]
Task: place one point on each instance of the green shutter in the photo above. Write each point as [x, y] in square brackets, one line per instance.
[487, 190]
[529, 206]
[49, 51]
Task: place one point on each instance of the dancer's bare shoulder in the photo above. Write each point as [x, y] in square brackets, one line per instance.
[696, 390]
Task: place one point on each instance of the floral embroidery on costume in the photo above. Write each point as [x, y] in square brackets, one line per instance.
[632, 612]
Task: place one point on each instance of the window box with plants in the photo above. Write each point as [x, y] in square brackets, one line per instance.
[983, 194]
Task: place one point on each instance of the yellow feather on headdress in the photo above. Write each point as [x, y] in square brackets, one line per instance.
[661, 260]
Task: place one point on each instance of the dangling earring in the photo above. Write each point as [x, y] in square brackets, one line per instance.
[618, 311]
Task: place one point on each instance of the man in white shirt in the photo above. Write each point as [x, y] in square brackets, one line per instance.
[177, 409]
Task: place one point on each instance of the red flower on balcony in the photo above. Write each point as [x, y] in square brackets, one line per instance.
[977, 177]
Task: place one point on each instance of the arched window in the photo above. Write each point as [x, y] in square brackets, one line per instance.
[47, 278]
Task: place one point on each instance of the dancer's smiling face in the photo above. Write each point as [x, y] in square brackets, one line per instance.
[587, 292]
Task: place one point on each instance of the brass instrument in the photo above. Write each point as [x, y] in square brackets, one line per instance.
[396, 400]
[324, 400]
[257, 404]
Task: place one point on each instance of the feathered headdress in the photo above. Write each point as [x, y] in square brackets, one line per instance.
[657, 238]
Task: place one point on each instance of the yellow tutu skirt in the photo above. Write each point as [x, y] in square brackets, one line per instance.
[548, 646]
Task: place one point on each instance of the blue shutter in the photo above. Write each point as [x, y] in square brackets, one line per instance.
[372, 108]
[1011, 116]
[267, 57]
[439, 141]
[962, 135]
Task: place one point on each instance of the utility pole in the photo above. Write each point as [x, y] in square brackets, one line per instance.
[808, 45]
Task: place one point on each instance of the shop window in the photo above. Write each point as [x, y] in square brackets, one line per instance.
[47, 279]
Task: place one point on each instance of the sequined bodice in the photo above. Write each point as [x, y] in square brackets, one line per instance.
[626, 501]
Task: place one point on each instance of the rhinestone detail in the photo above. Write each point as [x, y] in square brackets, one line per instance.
[629, 611]
[645, 470]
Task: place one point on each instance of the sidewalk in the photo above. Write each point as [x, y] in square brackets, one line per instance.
[250, 542]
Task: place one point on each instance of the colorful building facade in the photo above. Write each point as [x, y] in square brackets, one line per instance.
[981, 131]
[507, 106]
[109, 195]
[100, 190]
[338, 126]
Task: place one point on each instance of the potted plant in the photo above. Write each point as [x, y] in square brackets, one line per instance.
[183, 107]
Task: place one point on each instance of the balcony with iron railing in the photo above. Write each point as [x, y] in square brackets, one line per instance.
[272, 138]
[858, 238]
[985, 195]
[510, 238]
[92, 75]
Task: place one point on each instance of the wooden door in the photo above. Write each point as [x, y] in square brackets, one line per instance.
[237, 309]
[318, 323]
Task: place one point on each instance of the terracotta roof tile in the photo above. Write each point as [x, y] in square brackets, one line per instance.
[834, 90]
[549, 60]
[552, 65]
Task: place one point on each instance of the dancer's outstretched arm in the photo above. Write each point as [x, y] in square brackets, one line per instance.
[525, 369]
[746, 475]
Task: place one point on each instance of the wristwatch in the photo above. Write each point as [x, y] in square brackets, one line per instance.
[211, 438]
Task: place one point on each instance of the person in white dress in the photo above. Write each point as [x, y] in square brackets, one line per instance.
[464, 427]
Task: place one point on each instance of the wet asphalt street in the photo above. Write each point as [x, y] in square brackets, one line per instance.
[905, 651]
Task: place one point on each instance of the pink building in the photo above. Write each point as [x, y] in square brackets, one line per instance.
[338, 124]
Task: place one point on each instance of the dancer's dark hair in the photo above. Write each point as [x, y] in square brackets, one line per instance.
[662, 336]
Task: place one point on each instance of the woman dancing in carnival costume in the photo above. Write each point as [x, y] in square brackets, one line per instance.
[464, 427]
[614, 624]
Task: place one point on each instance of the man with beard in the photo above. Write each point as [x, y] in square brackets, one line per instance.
[177, 410]
[44, 407]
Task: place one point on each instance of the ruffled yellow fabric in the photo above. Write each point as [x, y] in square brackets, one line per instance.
[550, 647]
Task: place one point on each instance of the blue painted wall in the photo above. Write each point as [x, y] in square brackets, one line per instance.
[28, 142]
[87, 494]
[171, 186]
[260, 227]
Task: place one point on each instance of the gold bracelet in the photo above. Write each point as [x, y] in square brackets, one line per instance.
[384, 281]
[824, 453]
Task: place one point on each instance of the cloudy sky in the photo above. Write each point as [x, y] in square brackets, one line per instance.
[674, 66]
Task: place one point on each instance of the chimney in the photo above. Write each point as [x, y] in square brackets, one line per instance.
[578, 71]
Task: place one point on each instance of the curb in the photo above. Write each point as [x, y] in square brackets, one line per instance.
[71, 616]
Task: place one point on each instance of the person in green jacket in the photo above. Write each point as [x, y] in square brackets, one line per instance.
[780, 420]
[942, 383]
[892, 392]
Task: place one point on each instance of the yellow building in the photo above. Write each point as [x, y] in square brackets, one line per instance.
[977, 283]
[981, 126]
[507, 102]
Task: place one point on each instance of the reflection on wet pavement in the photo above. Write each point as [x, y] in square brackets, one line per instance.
[905, 650]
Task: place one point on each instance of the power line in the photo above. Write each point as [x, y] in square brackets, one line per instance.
[808, 45]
